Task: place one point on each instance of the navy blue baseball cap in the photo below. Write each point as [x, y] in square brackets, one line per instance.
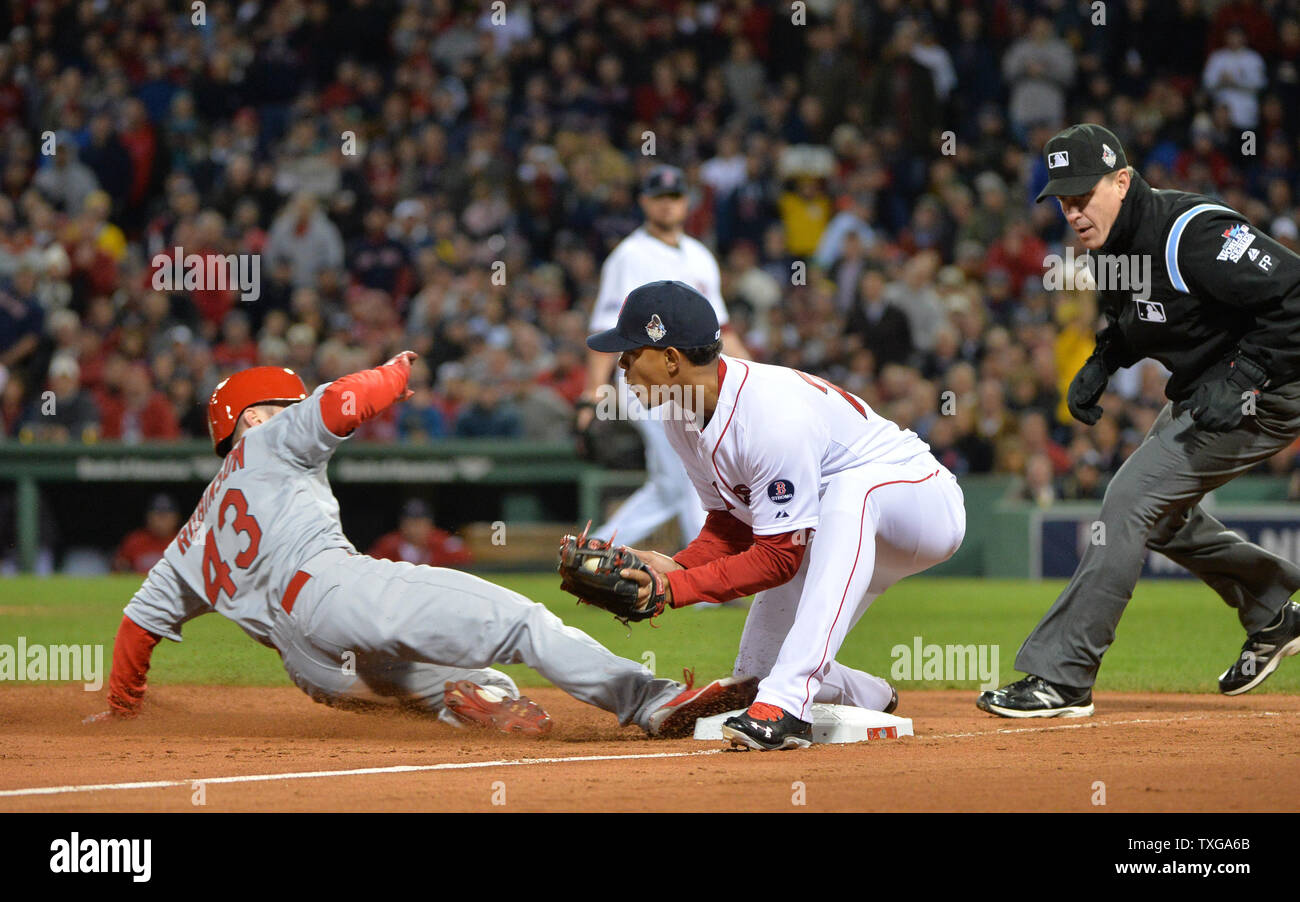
[663, 180]
[660, 315]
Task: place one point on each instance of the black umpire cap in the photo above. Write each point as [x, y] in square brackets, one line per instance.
[663, 180]
[1078, 157]
[660, 315]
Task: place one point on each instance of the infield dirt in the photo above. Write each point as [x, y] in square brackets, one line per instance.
[1151, 752]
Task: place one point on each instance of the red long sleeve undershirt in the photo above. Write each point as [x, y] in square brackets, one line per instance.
[351, 400]
[131, 652]
[726, 560]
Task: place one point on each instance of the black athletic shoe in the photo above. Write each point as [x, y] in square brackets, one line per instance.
[1262, 652]
[893, 702]
[1036, 697]
[767, 728]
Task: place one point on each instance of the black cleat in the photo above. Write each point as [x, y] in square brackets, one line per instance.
[1036, 697]
[767, 728]
[1262, 652]
[893, 702]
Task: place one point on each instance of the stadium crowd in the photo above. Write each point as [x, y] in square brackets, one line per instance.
[449, 177]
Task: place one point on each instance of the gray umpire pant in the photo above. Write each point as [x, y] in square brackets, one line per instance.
[1153, 502]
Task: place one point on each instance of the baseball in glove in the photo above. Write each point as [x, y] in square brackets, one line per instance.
[592, 569]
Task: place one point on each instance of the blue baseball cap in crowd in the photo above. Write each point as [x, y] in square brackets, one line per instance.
[663, 180]
[660, 315]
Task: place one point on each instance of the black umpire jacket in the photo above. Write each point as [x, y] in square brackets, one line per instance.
[1219, 287]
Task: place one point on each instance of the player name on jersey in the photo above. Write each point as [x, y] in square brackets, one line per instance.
[234, 461]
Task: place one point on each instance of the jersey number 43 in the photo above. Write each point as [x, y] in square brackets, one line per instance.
[216, 572]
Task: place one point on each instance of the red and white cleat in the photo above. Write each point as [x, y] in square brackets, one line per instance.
[676, 719]
[490, 707]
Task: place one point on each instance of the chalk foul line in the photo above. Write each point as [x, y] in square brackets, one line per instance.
[353, 772]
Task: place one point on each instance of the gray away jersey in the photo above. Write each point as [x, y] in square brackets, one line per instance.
[266, 513]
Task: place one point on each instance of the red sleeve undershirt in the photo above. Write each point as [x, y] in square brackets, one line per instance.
[131, 653]
[348, 402]
[728, 561]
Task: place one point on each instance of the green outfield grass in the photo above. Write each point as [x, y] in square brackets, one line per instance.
[1175, 637]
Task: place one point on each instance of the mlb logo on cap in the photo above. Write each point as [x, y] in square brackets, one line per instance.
[1058, 159]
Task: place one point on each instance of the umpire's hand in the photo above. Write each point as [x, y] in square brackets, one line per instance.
[1086, 389]
[1220, 404]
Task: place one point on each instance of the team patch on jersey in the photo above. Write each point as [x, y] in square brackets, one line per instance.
[655, 328]
[1150, 311]
[780, 491]
[742, 492]
[1235, 242]
[1058, 159]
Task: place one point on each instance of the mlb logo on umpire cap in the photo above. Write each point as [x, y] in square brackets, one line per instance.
[1077, 158]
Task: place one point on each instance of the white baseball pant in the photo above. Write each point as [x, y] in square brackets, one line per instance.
[878, 523]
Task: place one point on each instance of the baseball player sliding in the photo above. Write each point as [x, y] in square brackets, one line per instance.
[657, 247]
[264, 547]
[814, 502]
[1222, 312]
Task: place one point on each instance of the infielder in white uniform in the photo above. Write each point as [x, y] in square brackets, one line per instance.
[815, 502]
[656, 248]
[265, 548]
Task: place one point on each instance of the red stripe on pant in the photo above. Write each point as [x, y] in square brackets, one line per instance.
[291, 593]
[807, 688]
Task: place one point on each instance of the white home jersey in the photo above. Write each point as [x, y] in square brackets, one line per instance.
[266, 513]
[775, 439]
[640, 258]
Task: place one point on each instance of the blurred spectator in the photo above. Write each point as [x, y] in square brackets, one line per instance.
[417, 541]
[21, 320]
[138, 412]
[1235, 74]
[70, 414]
[882, 327]
[304, 236]
[1038, 485]
[805, 212]
[1039, 68]
[66, 181]
[144, 547]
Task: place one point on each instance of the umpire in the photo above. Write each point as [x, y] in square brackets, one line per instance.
[1222, 312]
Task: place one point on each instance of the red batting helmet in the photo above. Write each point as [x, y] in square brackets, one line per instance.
[233, 395]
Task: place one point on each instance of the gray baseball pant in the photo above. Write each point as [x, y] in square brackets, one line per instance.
[1154, 502]
[364, 631]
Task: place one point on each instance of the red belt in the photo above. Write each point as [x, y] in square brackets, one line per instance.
[291, 593]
